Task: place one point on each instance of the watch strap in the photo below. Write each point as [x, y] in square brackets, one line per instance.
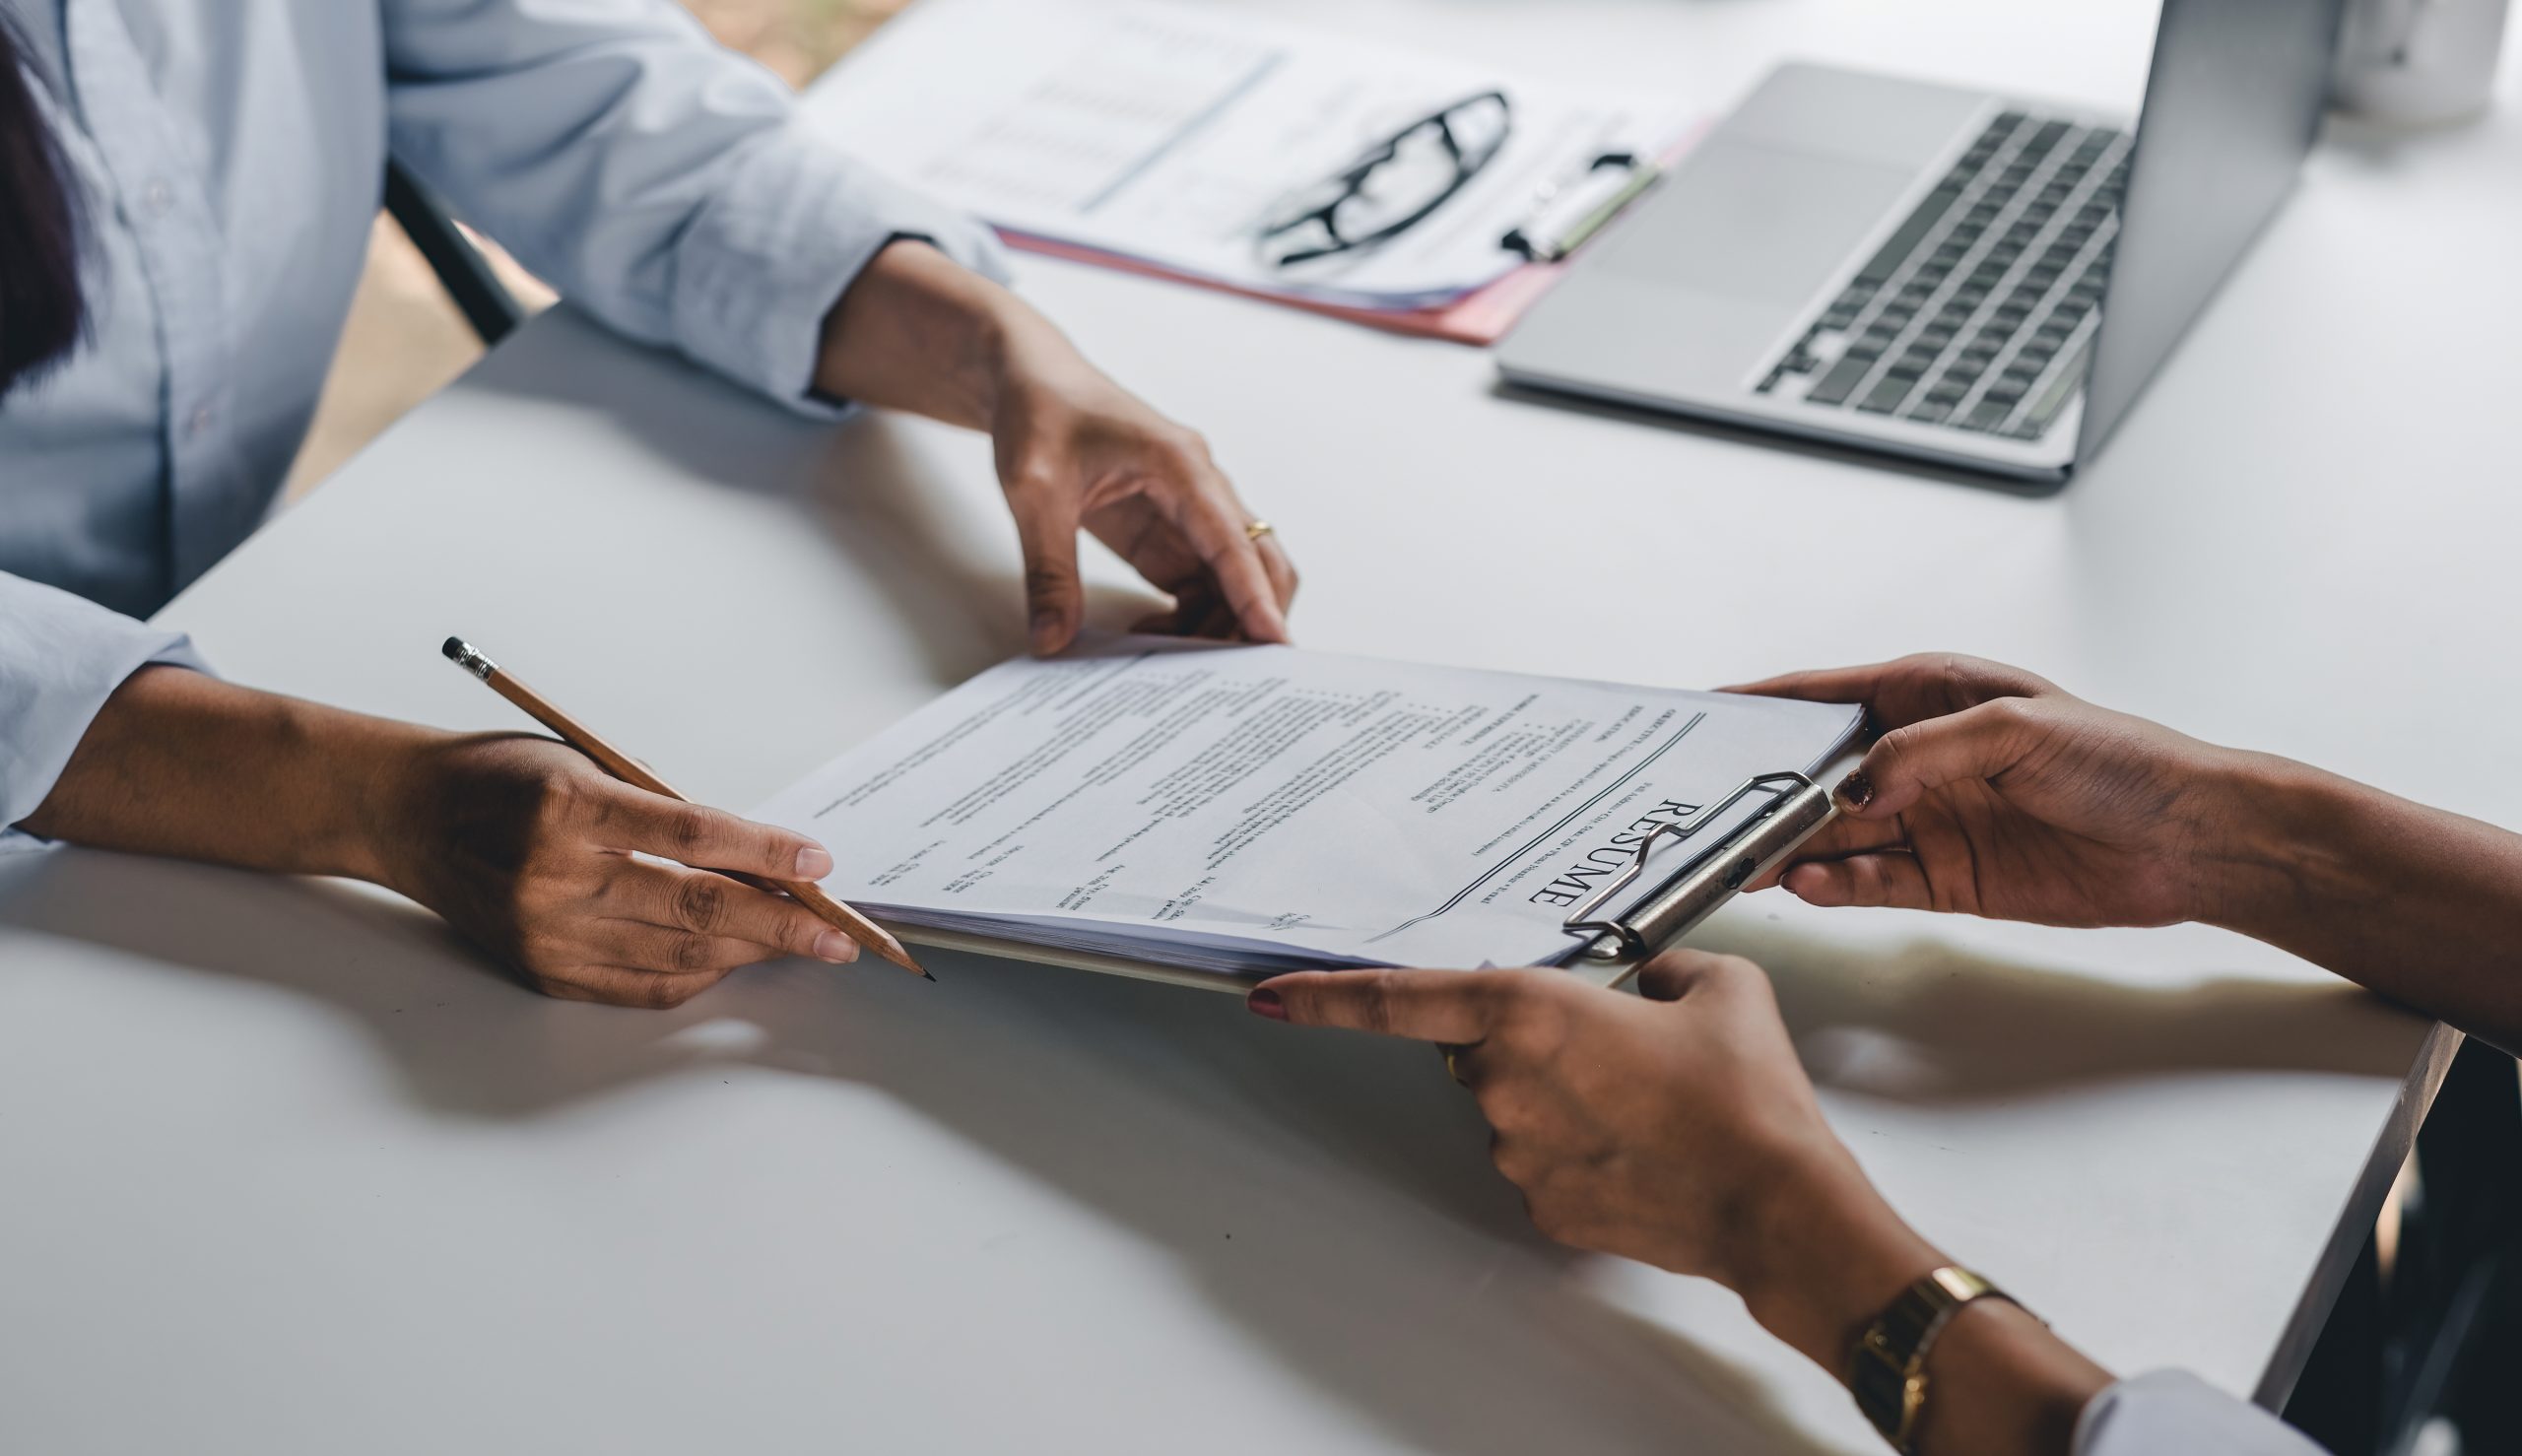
[1887, 1369]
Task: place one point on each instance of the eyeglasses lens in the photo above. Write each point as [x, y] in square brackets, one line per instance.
[1390, 187]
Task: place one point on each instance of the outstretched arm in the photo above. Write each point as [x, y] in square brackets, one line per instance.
[668, 186]
[1677, 1127]
[1993, 792]
[2420, 904]
[522, 843]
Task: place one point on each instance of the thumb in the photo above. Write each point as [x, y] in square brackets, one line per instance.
[1905, 764]
[1677, 972]
[1054, 596]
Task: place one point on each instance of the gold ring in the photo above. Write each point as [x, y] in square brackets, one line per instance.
[1255, 530]
[1451, 1069]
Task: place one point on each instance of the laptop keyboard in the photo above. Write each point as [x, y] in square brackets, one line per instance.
[1978, 313]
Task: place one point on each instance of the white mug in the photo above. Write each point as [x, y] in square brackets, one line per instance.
[2416, 62]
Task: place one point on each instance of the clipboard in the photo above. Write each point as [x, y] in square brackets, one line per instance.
[1789, 808]
[1565, 215]
[1792, 807]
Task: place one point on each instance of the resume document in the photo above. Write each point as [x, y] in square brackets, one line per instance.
[1255, 810]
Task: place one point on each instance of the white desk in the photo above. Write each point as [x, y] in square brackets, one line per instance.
[287, 1173]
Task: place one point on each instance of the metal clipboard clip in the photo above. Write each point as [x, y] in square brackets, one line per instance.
[1794, 808]
[1569, 211]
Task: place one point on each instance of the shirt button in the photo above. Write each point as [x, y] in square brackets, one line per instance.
[201, 419]
[157, 197]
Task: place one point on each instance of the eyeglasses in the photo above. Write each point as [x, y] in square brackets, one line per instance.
[1391, 187]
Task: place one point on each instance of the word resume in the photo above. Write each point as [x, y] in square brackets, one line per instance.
[1256, 810]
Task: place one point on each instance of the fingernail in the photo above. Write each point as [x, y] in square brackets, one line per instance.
[1046, 631]
[835, 948]
[1856, 790]
[1264, 1002]
[813, 862]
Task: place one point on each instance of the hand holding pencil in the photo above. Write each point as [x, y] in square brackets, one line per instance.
[536, 854]
[798, 883]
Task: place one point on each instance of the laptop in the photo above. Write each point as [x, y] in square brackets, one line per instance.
[1975, 281]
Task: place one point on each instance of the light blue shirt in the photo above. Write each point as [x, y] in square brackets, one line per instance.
[230, 158]
[2172, 1412]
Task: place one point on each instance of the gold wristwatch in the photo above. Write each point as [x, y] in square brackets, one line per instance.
[1887, 1370]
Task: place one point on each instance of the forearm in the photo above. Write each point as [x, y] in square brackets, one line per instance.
[1832, 1256]
[917, 331]
[2420, 904]
[180, 764]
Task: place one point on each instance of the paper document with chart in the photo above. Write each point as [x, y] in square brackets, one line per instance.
[1253, 810]
[1168, 136]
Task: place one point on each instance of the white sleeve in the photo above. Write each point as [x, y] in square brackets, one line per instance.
[62, 656]
[2172, 1412]
[657, 179]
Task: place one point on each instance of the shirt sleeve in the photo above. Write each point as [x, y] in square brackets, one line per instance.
[61, 657]
[2172, 1412]
[658, 180]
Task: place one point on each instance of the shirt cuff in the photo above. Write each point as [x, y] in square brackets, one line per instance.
[2174, 1413]
[61, 657]
[792, 228]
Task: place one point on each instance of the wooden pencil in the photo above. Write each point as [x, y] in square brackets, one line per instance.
[630, 770]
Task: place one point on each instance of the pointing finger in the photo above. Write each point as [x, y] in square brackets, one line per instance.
[1046, 525]
[1821, 685]
[1913, 689]
[1282, 569]
[1216, 527]
[1453, 1007]
[1979, 743]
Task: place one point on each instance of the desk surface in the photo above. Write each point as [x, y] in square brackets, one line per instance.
[288, 1172]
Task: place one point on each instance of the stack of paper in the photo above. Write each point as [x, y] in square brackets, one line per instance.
[1161, 135]
[1254, 809]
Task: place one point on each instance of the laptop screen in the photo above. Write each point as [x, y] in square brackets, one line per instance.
[2231, 106]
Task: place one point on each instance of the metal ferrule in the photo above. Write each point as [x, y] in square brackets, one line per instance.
[469, 657]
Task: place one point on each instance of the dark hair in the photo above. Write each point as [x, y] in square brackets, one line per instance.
[42, 314]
